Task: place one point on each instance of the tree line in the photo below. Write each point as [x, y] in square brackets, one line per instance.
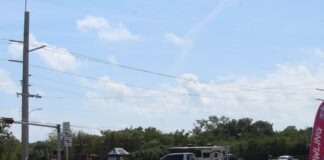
[251, 140]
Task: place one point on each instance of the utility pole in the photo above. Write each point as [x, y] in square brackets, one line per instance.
[25, 87]
[25, 90]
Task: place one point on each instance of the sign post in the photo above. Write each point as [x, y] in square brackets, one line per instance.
[67, 136]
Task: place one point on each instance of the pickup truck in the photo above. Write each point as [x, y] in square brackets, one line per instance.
[179, 156]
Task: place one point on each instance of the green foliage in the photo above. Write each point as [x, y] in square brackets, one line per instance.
[39, 150]
[251, 140]
[246, 138]
[149, 153]
[9, 145]
[85, 143]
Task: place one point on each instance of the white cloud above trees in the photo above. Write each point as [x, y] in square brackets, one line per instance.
[7, 85]
[55, 57]
[106, 30]
[285, 96]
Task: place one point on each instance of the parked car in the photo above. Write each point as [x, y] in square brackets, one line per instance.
[179, 156]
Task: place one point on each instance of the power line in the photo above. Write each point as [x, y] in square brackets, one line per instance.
[140, 87]
[127, 96]
[67, 52]
[79, 126]
[5, 43]
[103, 97]
[62, 82]
[94, 97]
[82, 86]
[242, 88]
[3, 60]
[221, 84]
[292, 93]
[145, 88]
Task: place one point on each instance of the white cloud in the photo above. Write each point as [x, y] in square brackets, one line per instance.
[55, 57]
[106, 30]
[7, 85]
[91, 22]
[110, 88]
[285, 96]
[16, 50]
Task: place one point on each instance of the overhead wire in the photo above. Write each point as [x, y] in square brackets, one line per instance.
[139, 87]
[86, 87]
[102, 97]
[77, 95]
[222, 84]
[134, 86]
[241, 87]
[66, 52]
[113, 82]
[89, 97]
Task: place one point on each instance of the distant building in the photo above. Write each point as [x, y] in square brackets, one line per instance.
[117, 154]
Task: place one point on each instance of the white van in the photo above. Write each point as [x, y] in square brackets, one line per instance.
[179, 156]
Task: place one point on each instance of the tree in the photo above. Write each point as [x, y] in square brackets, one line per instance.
[9, 145]
[262, 128]
[247, 139]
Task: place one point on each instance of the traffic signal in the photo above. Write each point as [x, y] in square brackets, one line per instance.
[7, 120]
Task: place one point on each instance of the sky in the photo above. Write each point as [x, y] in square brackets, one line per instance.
[112, 64]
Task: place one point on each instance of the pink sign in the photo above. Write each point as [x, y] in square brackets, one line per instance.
[316, 150]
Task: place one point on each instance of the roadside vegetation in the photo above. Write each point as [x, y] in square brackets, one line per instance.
[252, 140]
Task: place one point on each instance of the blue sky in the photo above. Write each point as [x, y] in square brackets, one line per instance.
[257, 59]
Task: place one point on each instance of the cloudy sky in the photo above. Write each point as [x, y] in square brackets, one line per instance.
[111, 64]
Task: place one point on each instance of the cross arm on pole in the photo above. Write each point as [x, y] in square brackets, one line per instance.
[31, 50]
[319, 89]
[40, 47]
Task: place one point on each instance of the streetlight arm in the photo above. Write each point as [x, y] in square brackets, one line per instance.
[36, 109]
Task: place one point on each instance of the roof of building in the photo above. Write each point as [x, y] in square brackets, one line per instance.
[118, 151]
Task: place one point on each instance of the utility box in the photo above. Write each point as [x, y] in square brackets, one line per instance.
[117, 154]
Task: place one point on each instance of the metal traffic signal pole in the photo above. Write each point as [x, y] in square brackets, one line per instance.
[57, 127]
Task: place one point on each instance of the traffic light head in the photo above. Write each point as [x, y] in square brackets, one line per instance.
[7, 120]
